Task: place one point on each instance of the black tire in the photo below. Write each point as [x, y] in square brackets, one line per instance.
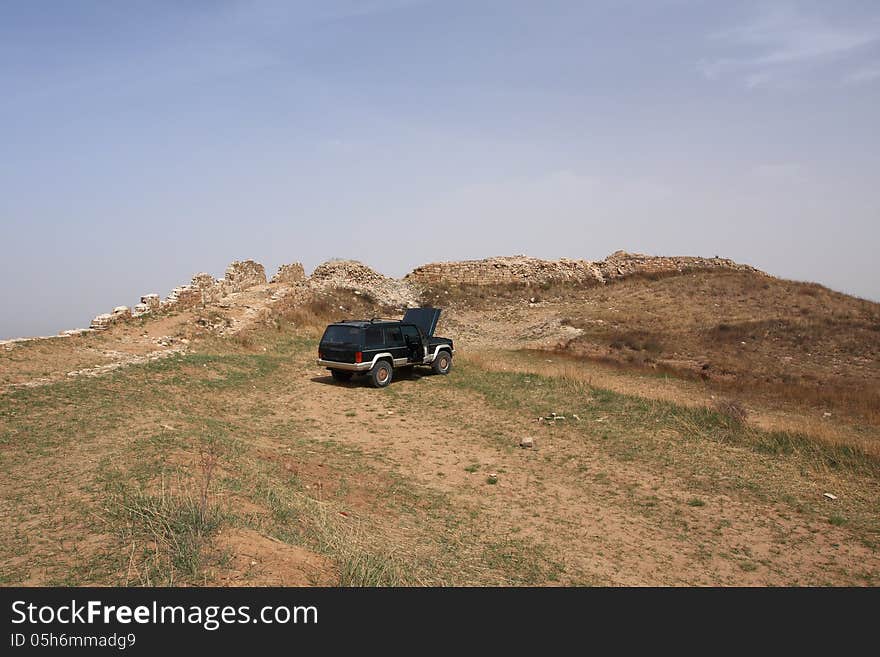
[443, 363]
[341, 375]
[381, 374]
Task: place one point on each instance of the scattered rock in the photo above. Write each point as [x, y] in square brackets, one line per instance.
[102, 322]
[527, 442]
[830, 496]
[152, 301]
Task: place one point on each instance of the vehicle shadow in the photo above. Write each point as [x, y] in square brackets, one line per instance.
[363, 380]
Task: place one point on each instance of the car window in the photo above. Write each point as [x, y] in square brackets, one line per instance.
[374, 338]
[411, 333]
[338, 334]
[394, 336]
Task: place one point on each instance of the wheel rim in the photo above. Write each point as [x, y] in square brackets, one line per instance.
[382, 374]
[444, 363]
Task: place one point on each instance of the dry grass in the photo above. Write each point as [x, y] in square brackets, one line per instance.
[732, 410]
[310, 312]
[794, 342]
[167, 531]
[687, 393]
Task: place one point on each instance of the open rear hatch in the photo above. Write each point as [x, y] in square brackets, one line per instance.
[425, 318]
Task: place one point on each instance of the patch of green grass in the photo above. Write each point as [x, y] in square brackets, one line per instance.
[167, 532]
[473, 467]
[491, 480]
[623, 418]
[696, 501]
[837, 520]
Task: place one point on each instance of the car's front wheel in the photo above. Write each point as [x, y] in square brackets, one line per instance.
[380, 374]
[443, 363]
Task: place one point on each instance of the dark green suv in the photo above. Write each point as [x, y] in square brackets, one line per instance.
[376, 347]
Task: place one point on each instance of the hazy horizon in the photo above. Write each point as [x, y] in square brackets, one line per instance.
[144, 142]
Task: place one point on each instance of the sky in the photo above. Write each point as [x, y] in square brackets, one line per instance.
[143, 142]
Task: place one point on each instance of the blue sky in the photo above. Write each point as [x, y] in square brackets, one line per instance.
[143, 142]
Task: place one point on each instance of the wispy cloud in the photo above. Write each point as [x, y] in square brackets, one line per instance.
[863, 75]
[782, 42]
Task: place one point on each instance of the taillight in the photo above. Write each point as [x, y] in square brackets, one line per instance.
[358, 357]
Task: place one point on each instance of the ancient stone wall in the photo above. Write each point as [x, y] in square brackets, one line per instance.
[508, 269]
[210, 289]
[354, 275]
[241, 275]
[292, 273]
[522, 269]
[621, 264]
[203, 289]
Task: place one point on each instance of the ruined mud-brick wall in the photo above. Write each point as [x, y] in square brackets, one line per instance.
[354, 275]
[621, 264]
[241, 275]
[522, 269]
[510, 269]
[292, 273]
[203, 289]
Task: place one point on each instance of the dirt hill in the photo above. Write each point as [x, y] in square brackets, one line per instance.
[708, 410]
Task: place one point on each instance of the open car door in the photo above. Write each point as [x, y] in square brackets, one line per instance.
[425, 318]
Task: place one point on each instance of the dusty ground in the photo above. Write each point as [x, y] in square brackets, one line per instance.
[235, 460]
[420, 483]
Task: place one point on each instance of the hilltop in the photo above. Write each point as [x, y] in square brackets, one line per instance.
[708, 409]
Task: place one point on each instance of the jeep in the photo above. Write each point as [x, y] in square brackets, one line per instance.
[376, 347]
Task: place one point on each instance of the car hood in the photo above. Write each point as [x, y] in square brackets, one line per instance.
[425, 318]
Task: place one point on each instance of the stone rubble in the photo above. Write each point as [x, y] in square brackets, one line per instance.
[203, 289]
[128, 360]
[534, 271]
[102, 322]
[356, 276]
[292, 273]
[241, 275]
[352, 275]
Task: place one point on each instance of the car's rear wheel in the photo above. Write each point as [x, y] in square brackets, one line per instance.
[443, 363]
[341, 375]
[380, 374]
